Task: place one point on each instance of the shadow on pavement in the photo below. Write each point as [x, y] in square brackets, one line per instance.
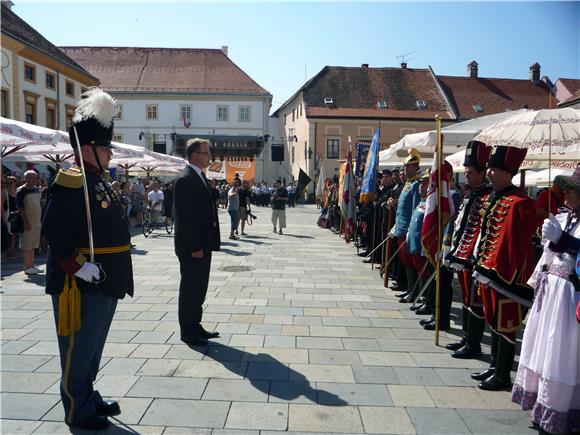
[296, 236]
[234, 253]
[287, 384]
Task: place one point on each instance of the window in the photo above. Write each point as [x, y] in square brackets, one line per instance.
[285, 118]
[51, 114]
[5, 104]
[70, 89]
[478, 108]
[30, 104]
[83, 89]
[421, 105]
[151, 111]
[382, 104]
[30, 113]
[244, 114]
[332, 148]
[117, 138]
[405, 131]
[119, 113]
[185, 113]
[293, 157]
[222, 113]
[293, 115]
[50, 81]
[300, 110]
[70, 113]
[29, 72]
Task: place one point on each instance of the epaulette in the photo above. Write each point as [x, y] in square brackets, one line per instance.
[72, 178]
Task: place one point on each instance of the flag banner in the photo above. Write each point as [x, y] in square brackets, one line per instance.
[369, 182]
[320, 185]
[347, 202]
[362, 151]
[431, 232]
[303, 181]
[186, 123]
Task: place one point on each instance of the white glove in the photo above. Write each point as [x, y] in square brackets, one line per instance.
[551, 229]
[89, 272]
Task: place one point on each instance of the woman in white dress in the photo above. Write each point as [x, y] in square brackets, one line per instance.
[548, 379]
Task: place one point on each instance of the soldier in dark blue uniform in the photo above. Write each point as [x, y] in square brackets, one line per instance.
[85, 291]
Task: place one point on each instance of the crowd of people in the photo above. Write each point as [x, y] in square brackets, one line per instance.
[512, 256]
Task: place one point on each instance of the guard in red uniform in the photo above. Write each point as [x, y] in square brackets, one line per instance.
[505, 261]
[462, 255]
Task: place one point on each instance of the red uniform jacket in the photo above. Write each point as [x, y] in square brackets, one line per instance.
[505, 254]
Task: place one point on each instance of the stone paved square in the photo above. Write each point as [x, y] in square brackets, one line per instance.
[310, 343]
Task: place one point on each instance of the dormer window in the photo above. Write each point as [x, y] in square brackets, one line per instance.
[382, 104]
[478, 108]
[328, 101]
[421, 105]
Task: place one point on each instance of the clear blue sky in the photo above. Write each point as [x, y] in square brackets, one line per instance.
[273, 41]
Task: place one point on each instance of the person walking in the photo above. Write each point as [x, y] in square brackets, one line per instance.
[245, 207]
[196, 236]
[278, 200]
[234, 208]
[28, 203]
[85, 291]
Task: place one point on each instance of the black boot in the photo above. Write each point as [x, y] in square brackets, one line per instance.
[464, 319]
[472, 348]
[483, 375]
[501, 379]
[457, 345]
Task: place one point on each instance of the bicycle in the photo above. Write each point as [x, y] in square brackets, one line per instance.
[149, 224]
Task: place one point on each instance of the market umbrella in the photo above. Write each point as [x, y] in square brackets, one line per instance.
[548, 134]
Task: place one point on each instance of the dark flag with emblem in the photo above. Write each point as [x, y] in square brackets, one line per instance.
[303, 181]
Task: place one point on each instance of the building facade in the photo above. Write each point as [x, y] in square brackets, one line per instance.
[40, 84]
[168, 95]
[341, 106]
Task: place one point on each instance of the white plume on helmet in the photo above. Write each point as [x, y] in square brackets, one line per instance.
[96, 103]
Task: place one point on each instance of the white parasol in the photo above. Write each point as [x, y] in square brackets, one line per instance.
[548, 134]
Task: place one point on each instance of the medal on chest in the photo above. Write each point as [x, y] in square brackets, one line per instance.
[103, 198]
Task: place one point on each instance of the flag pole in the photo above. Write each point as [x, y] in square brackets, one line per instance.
[439, 232]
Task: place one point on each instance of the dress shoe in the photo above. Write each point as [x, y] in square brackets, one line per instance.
[414, 307]
[402, 295]
[482, 376]
[94, 422]
[423, 322]
[405, 299]
[108, 408]
[194, 340]
[457, 345]
[424, 309]
[467, 352]
[431, 327]
[206, 334]
[364, 254]
[496, 383]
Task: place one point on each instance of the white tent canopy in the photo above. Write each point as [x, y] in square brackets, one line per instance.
[454, 136]
[14, 134]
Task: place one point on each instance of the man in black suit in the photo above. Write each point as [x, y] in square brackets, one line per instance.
[196, 236]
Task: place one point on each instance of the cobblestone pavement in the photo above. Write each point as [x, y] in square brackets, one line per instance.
[310, 342]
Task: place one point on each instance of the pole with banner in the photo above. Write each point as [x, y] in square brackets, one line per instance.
[439, 231]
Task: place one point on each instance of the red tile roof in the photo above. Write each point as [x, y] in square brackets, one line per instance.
[356, 91]
[572, 85]
[160, 70]
[16, 28]
[574, 98]
[494, 95]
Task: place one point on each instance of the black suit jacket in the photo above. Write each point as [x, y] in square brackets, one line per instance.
[196, 222]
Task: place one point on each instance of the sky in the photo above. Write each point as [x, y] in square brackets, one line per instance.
[282, 44]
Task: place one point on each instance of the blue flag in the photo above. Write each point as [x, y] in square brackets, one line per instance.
[367, 192]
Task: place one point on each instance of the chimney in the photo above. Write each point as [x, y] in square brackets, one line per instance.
[364, 65]
[535, 72]
[8, 4]
[225, 49]
[472, 69]
[403, 65]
